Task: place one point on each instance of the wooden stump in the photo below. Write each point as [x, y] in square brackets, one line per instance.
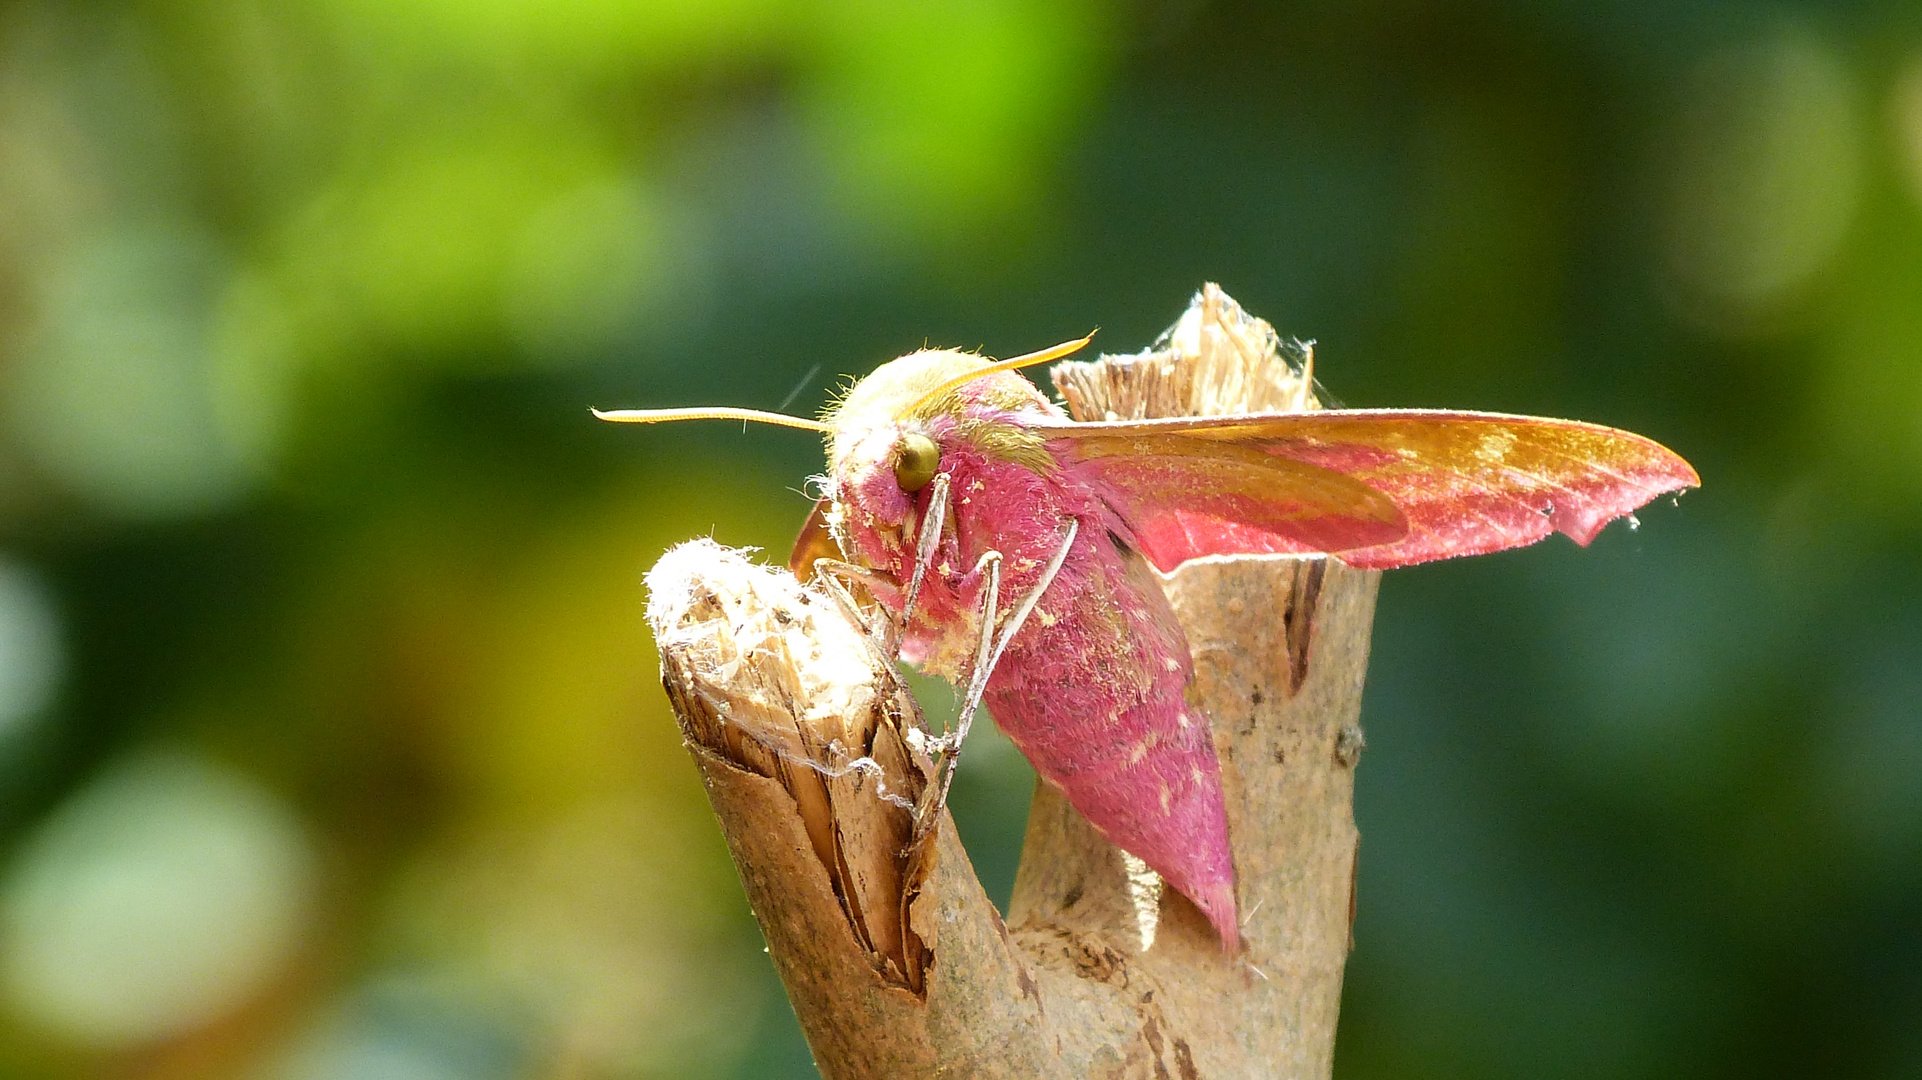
[897, 964]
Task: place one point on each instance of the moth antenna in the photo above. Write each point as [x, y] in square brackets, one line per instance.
[1053, 352]
[659, 416]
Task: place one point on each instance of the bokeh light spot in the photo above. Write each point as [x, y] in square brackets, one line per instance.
[32, 658]
[599, 923]
[580, 37]
[160, 896]
[405, 1027]
[116, 396]
[416, 252]
[939, 119]
[591, 270]
[1764, 170]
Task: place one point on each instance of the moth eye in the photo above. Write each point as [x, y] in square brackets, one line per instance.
[916, 463]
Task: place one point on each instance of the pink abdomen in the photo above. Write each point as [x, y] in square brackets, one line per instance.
[1093, 695]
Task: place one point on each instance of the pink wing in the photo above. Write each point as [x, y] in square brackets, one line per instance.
[1180, 498]
[1465, 483]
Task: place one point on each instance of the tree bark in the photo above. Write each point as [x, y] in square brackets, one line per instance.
[895, 960]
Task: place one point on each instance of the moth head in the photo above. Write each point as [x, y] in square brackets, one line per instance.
[885, 436]
[919, 399]
[879, 474]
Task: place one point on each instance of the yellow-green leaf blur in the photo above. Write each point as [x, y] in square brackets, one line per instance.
[331, 742]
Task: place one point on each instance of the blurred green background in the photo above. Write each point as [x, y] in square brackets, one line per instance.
[330, 744]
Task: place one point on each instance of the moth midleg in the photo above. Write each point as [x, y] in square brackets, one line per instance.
[986, 658]
[1033, 597]
[949, 744]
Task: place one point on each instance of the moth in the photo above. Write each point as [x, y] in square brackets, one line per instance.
[1014, 549]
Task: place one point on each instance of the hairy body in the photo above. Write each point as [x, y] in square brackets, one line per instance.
[1092, 687]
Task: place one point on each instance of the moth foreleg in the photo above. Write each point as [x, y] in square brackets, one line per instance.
[836, 573]
[843, 599]
[925, 546]
[884, 662]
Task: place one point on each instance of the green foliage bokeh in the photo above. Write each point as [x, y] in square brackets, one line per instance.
[329, 739]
